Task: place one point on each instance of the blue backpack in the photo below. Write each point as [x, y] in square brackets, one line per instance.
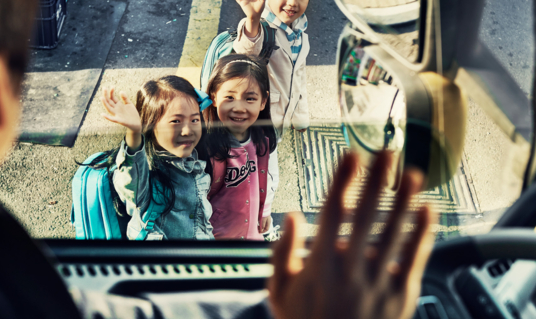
[93, 213]
[222, 45]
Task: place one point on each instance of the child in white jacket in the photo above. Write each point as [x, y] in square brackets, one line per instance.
[286, 67]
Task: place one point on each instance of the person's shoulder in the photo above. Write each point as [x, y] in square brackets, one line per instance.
[3, 211]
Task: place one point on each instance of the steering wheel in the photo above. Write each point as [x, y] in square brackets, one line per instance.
[451, 287]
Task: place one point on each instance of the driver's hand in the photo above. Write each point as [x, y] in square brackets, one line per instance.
[353, 279]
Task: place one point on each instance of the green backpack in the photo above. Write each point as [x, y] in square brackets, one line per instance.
[222, 45]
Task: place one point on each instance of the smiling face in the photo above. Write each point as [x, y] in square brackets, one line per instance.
[288, 11]
[238, 103]
[179, 129]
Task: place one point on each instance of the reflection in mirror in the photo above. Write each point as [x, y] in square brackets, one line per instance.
[395, 22]
[373, 108]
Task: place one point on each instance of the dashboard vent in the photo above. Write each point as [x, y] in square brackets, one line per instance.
[500, 267]
[154, 270]
[130, 279]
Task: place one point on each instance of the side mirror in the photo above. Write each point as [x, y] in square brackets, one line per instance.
[420, 117]
[501, 145]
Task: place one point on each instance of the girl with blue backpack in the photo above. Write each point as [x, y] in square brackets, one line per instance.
[159, 173]
[242, 144]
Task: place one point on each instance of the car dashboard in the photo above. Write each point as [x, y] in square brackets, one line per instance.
[131, 268]
[498, 289]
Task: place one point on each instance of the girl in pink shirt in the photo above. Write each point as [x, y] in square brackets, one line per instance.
[242, 147]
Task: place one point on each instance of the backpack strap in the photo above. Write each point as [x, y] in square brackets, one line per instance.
[219, 170]
[268, 44]
[155, 210]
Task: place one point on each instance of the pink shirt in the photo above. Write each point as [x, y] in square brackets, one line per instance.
[237, 204]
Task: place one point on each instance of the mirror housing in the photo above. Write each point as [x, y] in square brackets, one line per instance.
[436, 114]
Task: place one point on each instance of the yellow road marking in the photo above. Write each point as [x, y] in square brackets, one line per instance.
[202, 28]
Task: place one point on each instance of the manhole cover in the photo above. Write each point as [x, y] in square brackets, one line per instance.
[319, 150]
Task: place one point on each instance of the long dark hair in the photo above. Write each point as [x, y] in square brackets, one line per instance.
[152, 101]
[219, 138]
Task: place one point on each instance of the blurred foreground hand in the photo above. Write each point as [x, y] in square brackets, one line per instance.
[353, 279]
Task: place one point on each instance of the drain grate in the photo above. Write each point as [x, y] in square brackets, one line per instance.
[319, 150]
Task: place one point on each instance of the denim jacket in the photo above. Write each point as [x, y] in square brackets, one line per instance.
[188, 219]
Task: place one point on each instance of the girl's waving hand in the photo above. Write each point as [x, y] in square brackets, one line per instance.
[252, 8]
[120, 111]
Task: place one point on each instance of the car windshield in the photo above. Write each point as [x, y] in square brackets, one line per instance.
[81, 48]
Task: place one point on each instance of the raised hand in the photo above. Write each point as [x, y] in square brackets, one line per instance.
[354, 279]
[120, 111]
[252, 8]
[123, 112]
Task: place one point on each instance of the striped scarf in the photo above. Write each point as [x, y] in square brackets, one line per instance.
[294, 33]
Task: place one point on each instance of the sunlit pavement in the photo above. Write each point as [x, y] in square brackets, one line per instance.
[161, 38]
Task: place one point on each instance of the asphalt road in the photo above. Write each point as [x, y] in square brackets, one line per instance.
[35, 179]
[507, 30]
